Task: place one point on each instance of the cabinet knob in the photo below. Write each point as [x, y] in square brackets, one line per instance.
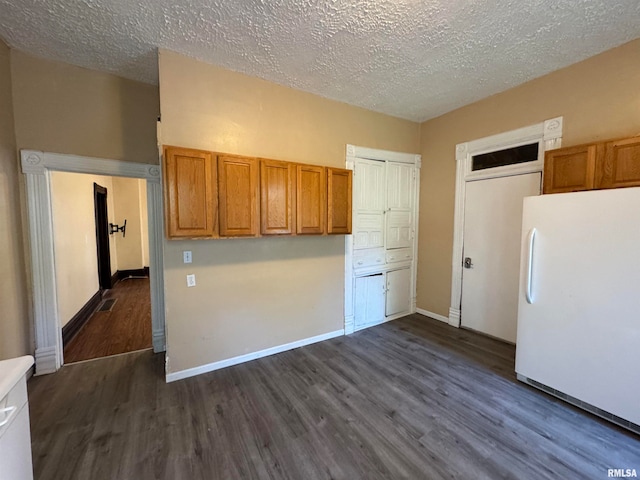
[360, 262]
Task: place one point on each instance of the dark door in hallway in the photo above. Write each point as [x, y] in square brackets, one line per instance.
[102, 236]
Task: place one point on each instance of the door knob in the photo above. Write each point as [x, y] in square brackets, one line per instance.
[467, 262]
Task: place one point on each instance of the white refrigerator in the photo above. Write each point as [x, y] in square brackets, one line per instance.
[578, 334]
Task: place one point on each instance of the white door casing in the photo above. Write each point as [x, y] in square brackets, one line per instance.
[492, 232]
[36, 167]
[549, 136]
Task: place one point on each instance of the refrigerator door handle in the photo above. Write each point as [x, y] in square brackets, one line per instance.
[528, 291]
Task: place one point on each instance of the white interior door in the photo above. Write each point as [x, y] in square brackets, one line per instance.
[492, 231]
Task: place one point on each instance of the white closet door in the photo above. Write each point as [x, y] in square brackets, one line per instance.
[369, 204]
[398, 291]
[399, 186]
[399, 205]
[369, 300]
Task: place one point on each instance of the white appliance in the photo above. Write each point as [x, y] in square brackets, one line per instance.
[578, 334]
[15, 437]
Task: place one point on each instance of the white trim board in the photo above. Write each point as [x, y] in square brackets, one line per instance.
[37, 167]
[429, 314]
[192, 372]
[549, 136]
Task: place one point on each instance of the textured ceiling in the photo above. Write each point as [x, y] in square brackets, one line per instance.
[414, 59]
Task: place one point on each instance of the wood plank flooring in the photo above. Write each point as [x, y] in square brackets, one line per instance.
[413, 398]
[126, 328]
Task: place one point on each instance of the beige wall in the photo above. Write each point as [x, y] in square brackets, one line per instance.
[14, 314]
[127, 200]
[66, 109]
[253, 294]
[599, 98]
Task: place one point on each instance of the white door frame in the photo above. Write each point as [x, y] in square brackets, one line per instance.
[37, 167]
[547, 133]
[354, 152]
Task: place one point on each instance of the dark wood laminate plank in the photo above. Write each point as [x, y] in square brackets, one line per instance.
[126, 328]
[413, 398]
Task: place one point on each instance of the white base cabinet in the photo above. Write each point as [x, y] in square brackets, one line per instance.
[369, 300]
[398, 292]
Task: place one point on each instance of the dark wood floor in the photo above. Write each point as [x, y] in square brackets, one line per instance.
[413, 398]
[126, 328]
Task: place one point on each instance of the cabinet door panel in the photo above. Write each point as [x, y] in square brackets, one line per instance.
[277, 181]
[620, 166]
[190, 192]
[399, 186]
[369, 204]
[369, 300]
[238, 196]
[338, 201]
[370, 184]
[569, 169]
[399, 229]
[311, 200]
[398, 291]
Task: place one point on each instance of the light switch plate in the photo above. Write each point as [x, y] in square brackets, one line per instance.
[191, 280]
[186, 256]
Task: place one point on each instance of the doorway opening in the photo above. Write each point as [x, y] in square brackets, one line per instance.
[101, 251]
[38, 168]
[102, 236]
[502, 155]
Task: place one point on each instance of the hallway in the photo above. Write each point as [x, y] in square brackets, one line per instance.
[125, 328]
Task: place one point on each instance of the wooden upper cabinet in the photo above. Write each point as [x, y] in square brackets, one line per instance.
[238, 196]
[311, 200]
[277, 195]
[190, 193]
[569, 169]
[339, 201]
[620, 164]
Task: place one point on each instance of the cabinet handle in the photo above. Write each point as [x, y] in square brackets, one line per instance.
[392, 258]
[407, 256]
[360, 262]
[9, 411]
[378, 260]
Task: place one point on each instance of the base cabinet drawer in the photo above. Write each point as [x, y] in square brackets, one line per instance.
[368, 259]
[399, 255]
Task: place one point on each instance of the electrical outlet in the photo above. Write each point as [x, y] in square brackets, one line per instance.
[186, 256]
[191, 280]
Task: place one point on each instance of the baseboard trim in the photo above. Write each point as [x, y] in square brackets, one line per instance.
[192, 372]
[122, 274]
[74, 325]
[435, 316]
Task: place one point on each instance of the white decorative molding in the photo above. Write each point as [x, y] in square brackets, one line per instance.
[154, 173]
[349, 324]
[429, 314]
[454, 317]
[461, 151]
[551, 129]
[376, 154]
[418, 161]
[46, 360]
[32, 163]
[192, 372]
[36, 167]
[156, 275]
[553, 133]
